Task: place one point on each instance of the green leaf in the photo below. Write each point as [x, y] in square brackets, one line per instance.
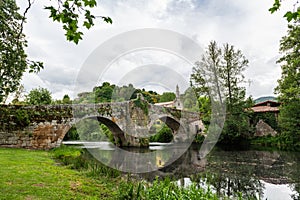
[291, 16]
[107, 20]
[272, 10]
[275, 7]
[87, 25]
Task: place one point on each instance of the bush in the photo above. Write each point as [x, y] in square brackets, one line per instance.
[39, 96]
[165, 135]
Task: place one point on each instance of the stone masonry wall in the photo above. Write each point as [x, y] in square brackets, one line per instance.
[38, 136]
[36, 127]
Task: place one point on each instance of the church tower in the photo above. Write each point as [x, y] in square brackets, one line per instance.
[177, 102]
[177, 92]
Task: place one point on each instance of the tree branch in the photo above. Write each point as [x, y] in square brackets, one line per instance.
[24, 17]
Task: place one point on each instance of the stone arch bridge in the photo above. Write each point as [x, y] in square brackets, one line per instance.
[44, 127]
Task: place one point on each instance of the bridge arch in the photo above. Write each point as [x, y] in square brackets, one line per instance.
[118, 134]
[170, 122]
[115, 129]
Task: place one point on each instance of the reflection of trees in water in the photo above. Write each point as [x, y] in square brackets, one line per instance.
[295, 174]
[296, 189]
[230, 172]
[230, 185]
[242, 171]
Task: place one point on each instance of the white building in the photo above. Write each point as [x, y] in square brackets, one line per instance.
[176, 103]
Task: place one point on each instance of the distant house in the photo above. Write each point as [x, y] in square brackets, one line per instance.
[176, 103]
[267, 106]
[265, 122]
[169, 104]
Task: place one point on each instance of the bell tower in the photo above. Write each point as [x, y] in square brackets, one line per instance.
[177, 101]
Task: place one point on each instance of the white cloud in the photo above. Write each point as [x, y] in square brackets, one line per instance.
[247, 25]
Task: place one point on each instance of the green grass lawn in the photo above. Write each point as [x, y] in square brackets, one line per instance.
[28, 174]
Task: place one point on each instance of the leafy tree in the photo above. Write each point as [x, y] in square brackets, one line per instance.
[205, 109]
[39, 96]
[13, 59]
[123, 93]
[289, 86]
[189, 100]
[231, 75]
[149, 96]
[66, 99]
[289, 15]
[105, 130]
[104, 92]
[167, 96]
[226, 66]
[232, 66]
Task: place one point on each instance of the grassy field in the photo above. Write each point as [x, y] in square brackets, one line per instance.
[27, 174]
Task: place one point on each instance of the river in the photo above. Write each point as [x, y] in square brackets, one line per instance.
[254, 174]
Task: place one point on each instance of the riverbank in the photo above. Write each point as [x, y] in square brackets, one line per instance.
[275, 143]
[28, 174]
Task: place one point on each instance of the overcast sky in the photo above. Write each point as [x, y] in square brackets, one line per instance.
[245, 24]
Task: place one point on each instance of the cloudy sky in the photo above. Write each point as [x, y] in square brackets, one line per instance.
[245, 24]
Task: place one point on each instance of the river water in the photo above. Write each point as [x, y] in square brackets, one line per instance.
[254, 174]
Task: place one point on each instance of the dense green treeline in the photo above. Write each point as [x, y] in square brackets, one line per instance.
[112, 93]
[288, 87]
[107, 92]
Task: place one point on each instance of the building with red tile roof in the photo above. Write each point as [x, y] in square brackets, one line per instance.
[266, 106]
